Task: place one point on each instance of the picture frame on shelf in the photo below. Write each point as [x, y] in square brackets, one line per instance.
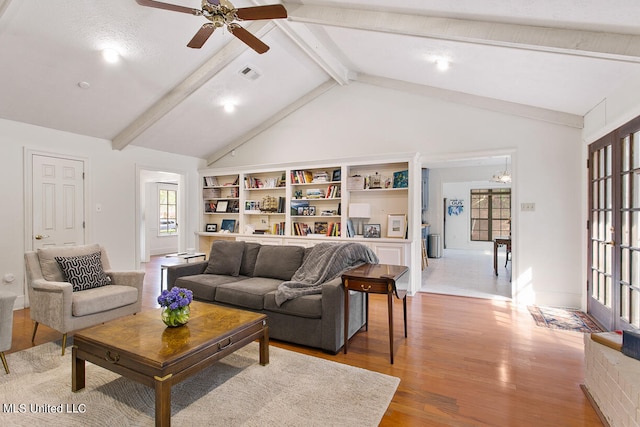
[228, 225]
[211, 228]
[222, 205]
[396, 225]
[401, 179]
[372, 231]
[336, 175]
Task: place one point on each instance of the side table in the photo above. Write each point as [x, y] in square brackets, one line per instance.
[375, 279]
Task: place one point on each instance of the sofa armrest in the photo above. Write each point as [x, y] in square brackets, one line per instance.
[126, 278]
[187, 269]
[53, 287]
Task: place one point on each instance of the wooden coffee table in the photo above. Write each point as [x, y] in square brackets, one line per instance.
[143, 349]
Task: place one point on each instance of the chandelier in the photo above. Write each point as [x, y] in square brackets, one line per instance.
[503, 177]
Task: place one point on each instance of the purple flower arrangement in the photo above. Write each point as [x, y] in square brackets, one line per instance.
[175, 298]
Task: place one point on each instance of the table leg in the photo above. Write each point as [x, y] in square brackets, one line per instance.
[77, 371]
[264, 347]
[346, 317]
[495, 257]
[163, 401]
[404, 311]
[390, 308]
[366, 311]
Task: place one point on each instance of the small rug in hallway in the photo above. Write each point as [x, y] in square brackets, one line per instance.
[563, 318]
[292, 390]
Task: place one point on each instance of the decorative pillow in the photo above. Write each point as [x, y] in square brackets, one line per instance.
[278, 262]
[225, 258]
[83, 271]
[249, 258]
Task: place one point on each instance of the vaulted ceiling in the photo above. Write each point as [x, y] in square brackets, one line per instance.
[548, 59]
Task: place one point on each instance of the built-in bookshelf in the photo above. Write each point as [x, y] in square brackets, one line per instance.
[221, 202]
[316, 201]
[384, 187]
[264, 202]
[303, 204]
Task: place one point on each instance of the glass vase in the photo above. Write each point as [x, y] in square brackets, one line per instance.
[175, 317]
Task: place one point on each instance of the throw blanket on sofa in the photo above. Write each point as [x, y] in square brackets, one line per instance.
[325, 262]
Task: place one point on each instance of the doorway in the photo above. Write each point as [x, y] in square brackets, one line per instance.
[466, 265]
[613, 280]
[161, 219]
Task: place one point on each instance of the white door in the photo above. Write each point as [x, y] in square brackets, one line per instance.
[57, 201]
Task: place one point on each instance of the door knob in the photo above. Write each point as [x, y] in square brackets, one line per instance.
[40, 236]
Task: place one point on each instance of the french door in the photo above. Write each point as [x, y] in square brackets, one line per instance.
[614, 228]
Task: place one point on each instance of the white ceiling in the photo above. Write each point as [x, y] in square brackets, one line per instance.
[550, 59]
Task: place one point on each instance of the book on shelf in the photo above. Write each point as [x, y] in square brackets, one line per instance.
[333, 229]
[333, 191]
[210, 181]
[301, 177]
[278, 229]
[299, 229]
[320, 176]
[315, 193]
[211, 193]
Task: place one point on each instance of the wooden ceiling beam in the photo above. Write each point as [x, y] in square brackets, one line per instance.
[603, 45]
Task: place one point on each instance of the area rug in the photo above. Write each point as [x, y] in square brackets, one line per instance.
[563, 318]
[292, 390]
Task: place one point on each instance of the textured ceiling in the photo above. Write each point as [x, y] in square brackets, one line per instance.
[555, 59]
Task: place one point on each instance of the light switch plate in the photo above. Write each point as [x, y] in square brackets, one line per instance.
[527, 207]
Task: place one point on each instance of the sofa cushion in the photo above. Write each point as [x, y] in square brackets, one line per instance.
[309, 306]
[47, 256]
[101, 299]
[83, 271]
[225, 258]
[248, 293]
[204, 286]
[249, 257]
[278, 262]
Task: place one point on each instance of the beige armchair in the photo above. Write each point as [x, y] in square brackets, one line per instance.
[54, 301]
[6, 324]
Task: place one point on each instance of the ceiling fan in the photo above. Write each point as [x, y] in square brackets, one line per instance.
[221, 13]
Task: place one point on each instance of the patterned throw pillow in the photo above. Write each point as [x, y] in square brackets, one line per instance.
[83, 271]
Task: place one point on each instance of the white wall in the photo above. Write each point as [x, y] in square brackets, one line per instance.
[111, 181]
[359, 119]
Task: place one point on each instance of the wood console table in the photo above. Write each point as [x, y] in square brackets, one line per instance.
[375, 279]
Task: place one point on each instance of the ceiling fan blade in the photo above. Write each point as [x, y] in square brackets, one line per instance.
[271, 11]
[249, 39]
[201, 36]
[171, 7]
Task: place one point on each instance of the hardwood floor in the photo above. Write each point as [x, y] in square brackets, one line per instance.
[466, 361]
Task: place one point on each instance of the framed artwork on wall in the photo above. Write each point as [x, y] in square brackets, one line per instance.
[211, 228]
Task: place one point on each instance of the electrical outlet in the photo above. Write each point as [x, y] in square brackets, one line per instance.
[527, 207]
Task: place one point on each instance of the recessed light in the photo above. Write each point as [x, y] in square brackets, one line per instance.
[110, 55]
[442, 64]
[229, 107]
[84, 85]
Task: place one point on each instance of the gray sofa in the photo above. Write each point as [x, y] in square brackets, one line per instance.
[246, 275]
